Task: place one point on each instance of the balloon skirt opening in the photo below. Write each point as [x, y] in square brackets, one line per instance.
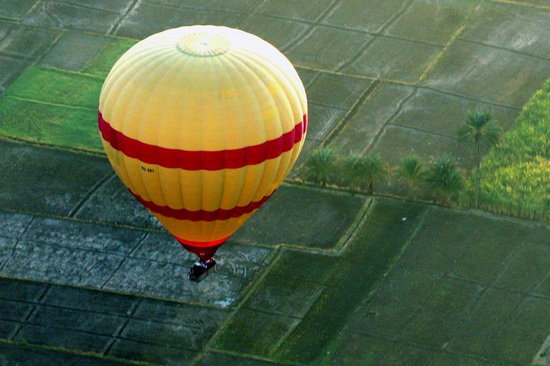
[204, 250]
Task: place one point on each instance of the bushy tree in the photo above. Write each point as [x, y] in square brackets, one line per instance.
[443, 178]
[411, 171]
[320, 165]
[478, 129]
[363, 171]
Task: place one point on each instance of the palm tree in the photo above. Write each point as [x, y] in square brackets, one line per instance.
[411, 171]
[443, 177]
[319, 165]
[478, 129]
[365, 170]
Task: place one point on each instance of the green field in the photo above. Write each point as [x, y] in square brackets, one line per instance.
[515, 174]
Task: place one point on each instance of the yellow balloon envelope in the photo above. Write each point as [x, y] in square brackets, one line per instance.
[202, 124]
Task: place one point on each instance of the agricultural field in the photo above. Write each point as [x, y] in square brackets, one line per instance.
[515, 174]
[320, 274]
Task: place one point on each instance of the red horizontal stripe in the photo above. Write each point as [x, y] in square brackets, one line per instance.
[201, 215]
[201, 244]
[204, 250]
[201, 160]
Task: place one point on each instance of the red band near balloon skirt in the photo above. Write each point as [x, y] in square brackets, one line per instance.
[202, 244]
[201, 215]
[204, 250]
[201, 160]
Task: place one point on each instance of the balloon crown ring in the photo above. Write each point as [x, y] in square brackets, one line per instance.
[204, 44]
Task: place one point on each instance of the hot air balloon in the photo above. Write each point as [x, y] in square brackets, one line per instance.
[202, 124]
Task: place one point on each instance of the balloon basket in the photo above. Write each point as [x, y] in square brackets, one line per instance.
[200, 270]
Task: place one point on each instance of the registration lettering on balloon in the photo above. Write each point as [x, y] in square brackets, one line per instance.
[202, 124]
[147, 170]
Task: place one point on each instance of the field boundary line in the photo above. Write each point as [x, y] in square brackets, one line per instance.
[247, 293]
[122, 18]
[36, 101]
[349, 235]
[441, 53]
[383, 128]
[473, 99]
[351, 113]
[90, 192]
[503, 49]
[520, 3]
[72, 351]
[543, 353]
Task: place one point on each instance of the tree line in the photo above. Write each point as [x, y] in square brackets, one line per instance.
[441, 177]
